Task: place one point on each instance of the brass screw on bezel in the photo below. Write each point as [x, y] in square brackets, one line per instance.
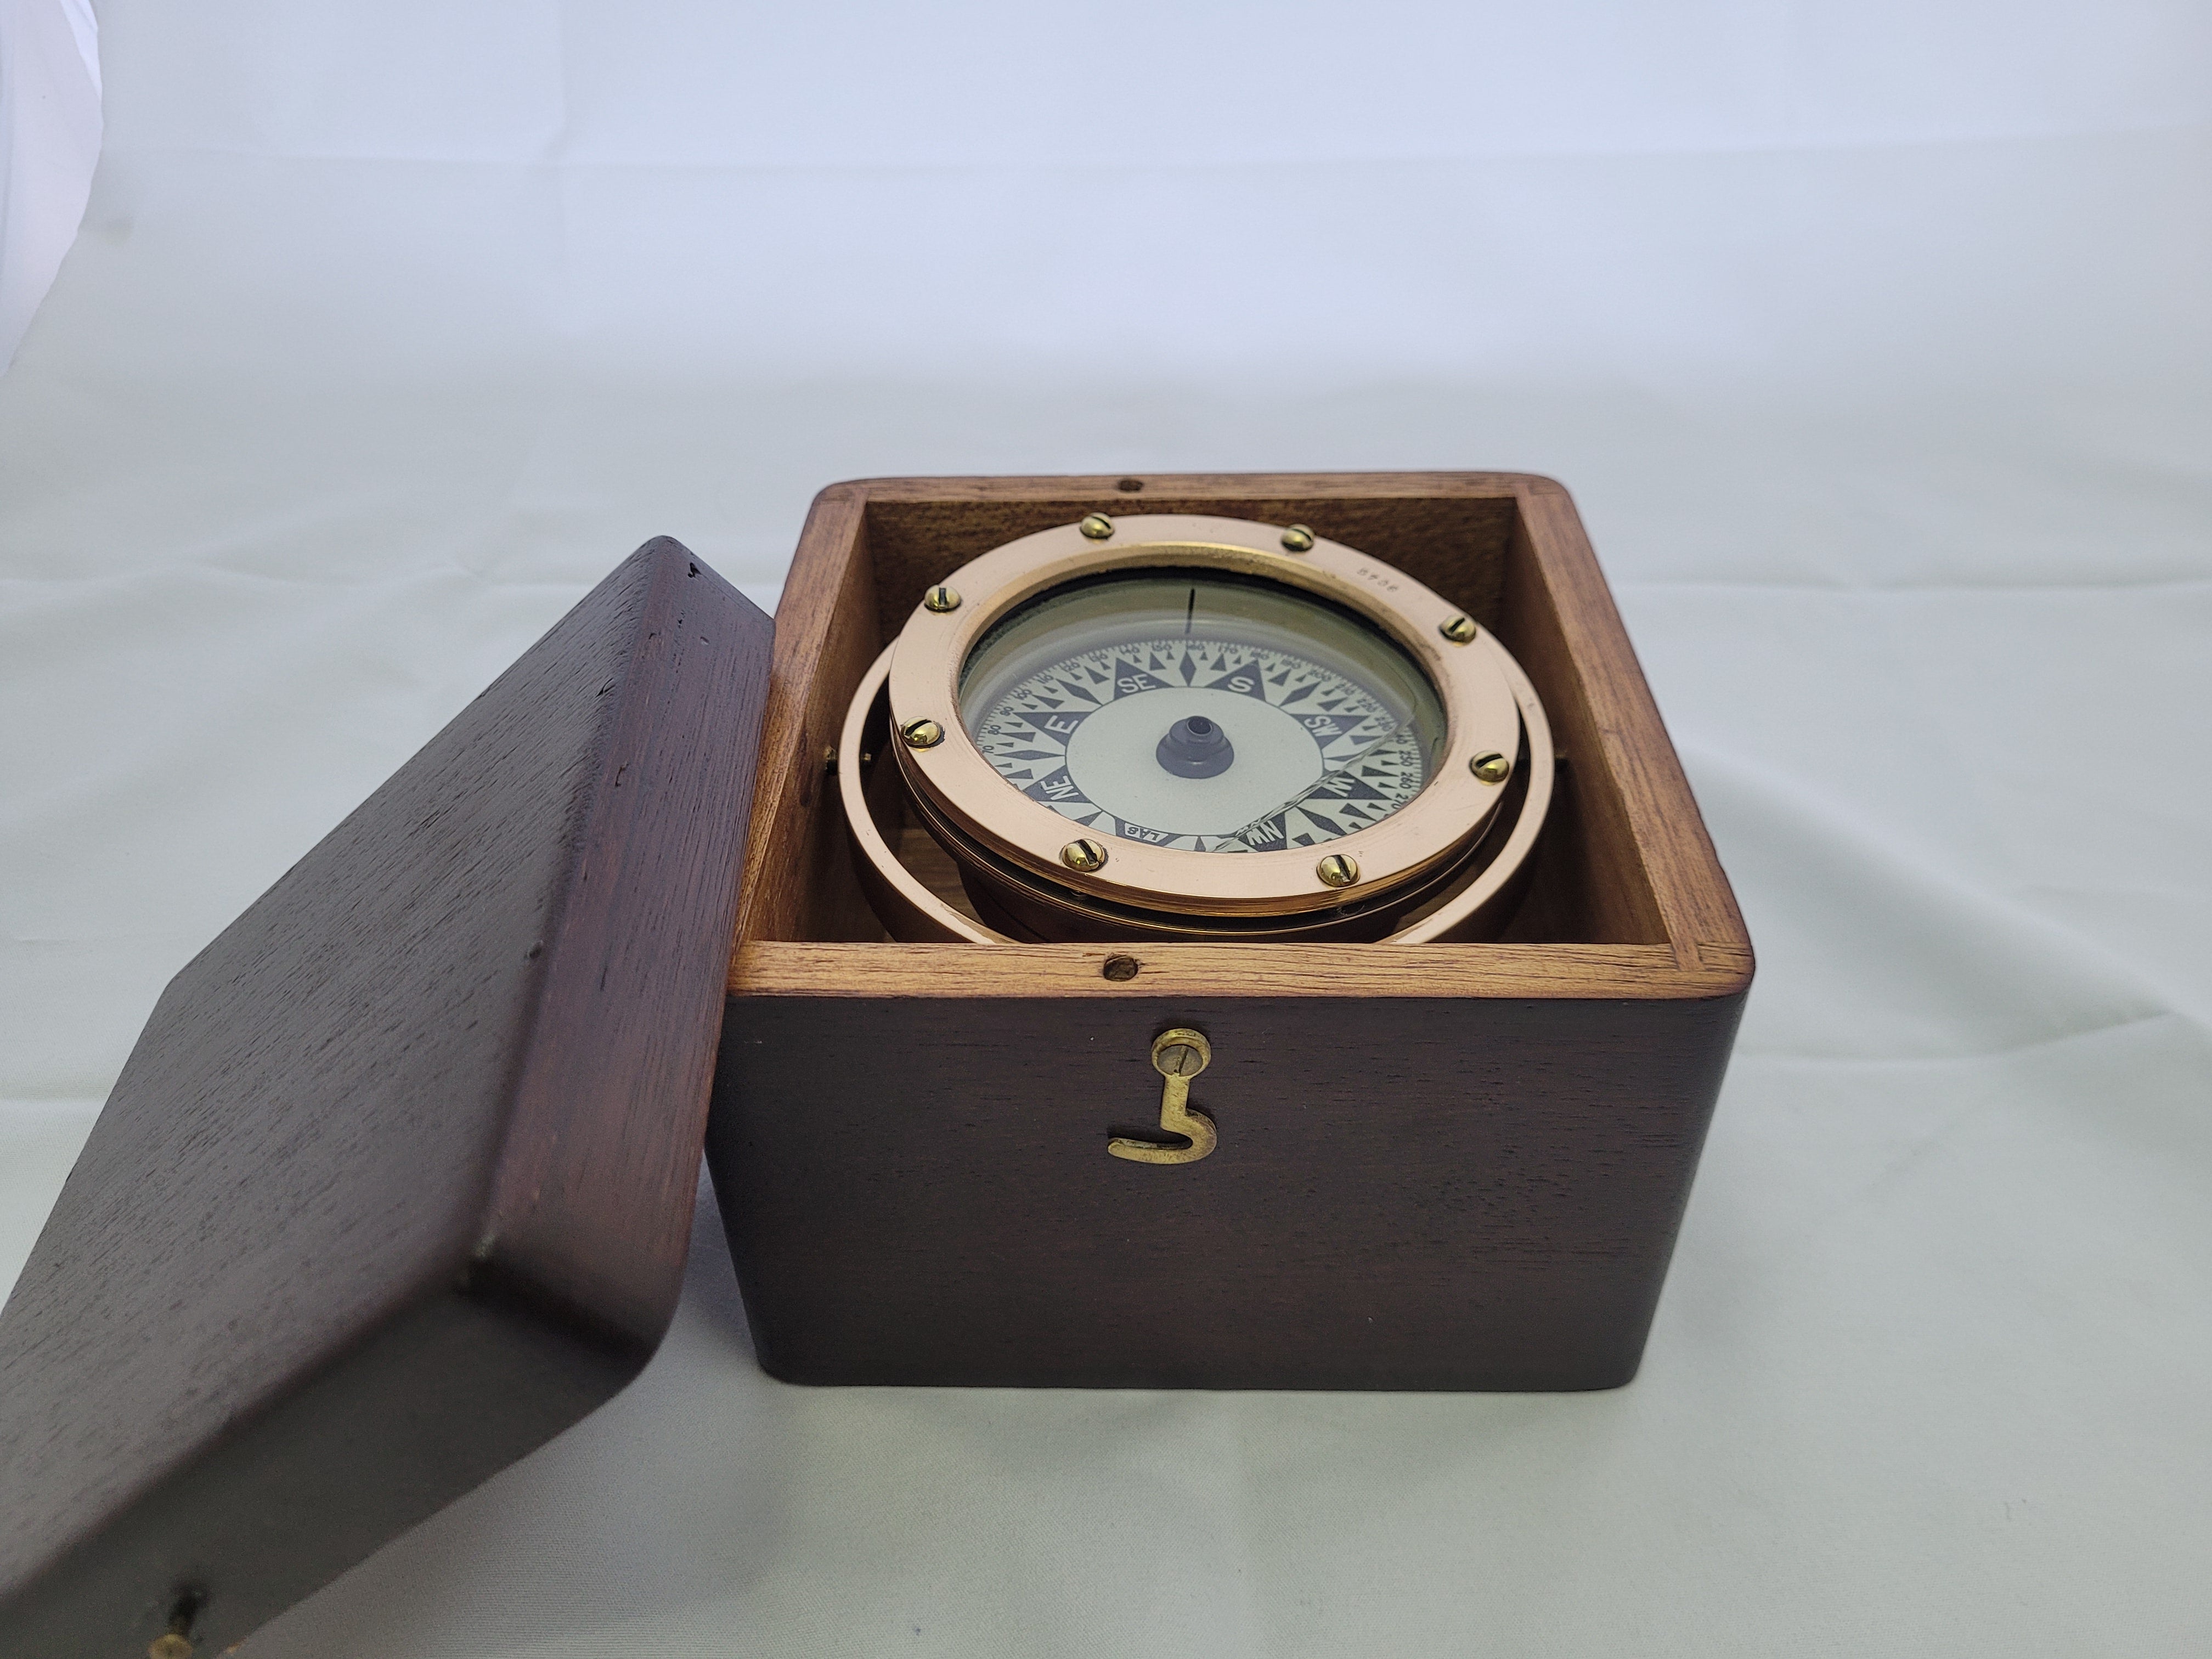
[1491, 767]
[1083, 854]
[1338, 870]
[1299, 540]
[1459, 630]
[922, 734]
[1097, 526]
[941, 599]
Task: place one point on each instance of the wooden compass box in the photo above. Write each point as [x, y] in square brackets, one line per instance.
[397, 1182]
[1440, 1167]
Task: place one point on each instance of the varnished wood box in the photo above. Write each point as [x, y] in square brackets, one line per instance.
[395, 1184]
[1441, 1166]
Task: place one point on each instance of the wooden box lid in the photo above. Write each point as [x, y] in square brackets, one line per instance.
[397, 1183]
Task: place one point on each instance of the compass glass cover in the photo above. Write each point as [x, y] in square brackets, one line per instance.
[1202, 711]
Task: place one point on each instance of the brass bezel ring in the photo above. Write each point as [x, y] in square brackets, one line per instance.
[910, 912]
[1475, 682]
[1465, 914]
[913, 914]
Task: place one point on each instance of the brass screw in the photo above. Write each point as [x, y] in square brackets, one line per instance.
[1083, 854]
[1299, 540]
[1492, 767]
[1338, 870]
[1097, 526]
[1120, 968]
[922, 734]
[1459, 630]
[941, 599]
[176, 1641]
[1181, 1052]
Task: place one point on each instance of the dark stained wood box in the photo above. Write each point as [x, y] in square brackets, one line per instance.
[1441, 1166]
[396, 1183]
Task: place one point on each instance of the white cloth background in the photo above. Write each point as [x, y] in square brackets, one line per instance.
[49, 142]
[1873, 339]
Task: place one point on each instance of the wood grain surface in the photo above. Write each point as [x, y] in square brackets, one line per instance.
[1440, 1165]
[1645, 972]
[1408, 1193]
[396, 1184]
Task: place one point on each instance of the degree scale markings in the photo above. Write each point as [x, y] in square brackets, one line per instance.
[1370, 765]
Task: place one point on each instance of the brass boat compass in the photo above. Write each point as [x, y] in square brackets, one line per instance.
[1173, 726]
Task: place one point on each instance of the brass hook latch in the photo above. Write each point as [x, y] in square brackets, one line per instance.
[1178, 1056]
